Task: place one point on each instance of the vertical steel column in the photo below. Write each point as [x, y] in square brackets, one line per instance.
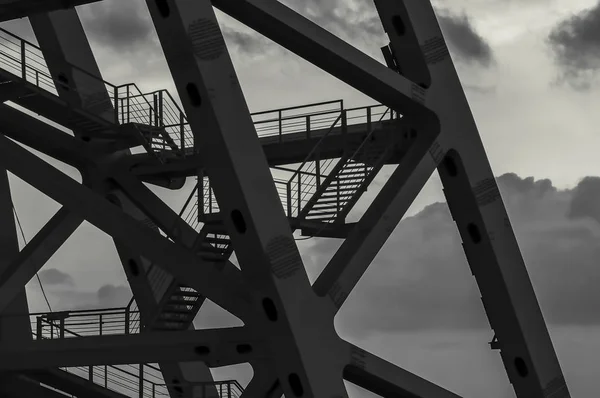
[475, 202]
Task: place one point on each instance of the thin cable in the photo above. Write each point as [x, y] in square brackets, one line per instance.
[36, 274]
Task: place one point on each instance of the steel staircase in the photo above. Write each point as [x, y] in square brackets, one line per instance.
[26, 80]
[348, 180]
[130, 380]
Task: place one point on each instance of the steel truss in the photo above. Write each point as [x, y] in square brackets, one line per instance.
[288, 335]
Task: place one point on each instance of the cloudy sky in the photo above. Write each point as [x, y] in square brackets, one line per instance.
[529, 68]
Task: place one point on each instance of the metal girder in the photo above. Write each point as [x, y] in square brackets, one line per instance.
[13, 9]
[18, 386]
[166, 219]
[475, 202]
[13, 328]
[35, 254]
[375, 374]
[42, 137]
[368, 236]
[330, 53]
[71, 384]
[58, 32]
[256, 223]
[203, 276]
[215, 347]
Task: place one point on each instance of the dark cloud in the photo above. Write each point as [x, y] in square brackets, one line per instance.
[107, 296]
[358, 21]
[53, 276]
[421, 280]
[586, 200]
[464, 41]
[247, 44]
[575, 42]
[121, 25]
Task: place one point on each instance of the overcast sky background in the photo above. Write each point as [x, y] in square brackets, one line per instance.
[529, 68]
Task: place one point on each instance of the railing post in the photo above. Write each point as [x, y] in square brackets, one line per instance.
[128, 105]
[160, 107]
[182, 133]
[153, 390]
[280, 129]
[308, 127]
[200, 201]
[23, 61]
[318, 169]
[229, 390]
[105, 376]
[100, 325]
[51, 330]
[156, 109]
[299, 194]
[344, 129]
[289, 198]
[141, 381]
[116, 99]
[61, 333]
[91, 373]
[369, 118]
[39, 327]
[127, 317]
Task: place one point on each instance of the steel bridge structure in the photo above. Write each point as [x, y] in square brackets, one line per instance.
[260, 178]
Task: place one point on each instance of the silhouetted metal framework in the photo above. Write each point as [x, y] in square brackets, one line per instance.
[247, 199]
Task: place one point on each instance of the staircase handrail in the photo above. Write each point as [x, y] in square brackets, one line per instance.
[310, 154]
[290, 108]
[366, 139]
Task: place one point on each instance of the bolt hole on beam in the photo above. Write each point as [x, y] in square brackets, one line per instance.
[193, 94]
[270, 309]
[63, 80]
[296, 385]
[521, 366]
[133, 267]
[163, 8]
[202, 350]
[474, 233]
[398, 25]
[450, 166]
[243, 348]
[238, 221]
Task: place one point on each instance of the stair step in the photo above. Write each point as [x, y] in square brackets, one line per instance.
[362, 177]
[219, 241]
[175, 316]
[353, 173]
[320, 206]
[319, 213]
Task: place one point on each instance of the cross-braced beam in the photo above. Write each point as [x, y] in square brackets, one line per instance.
[180, 261]
[215, 347]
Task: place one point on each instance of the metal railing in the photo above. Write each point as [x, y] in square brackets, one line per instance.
[300, 188]
[69, 324]
[133, 380]
[26, 60]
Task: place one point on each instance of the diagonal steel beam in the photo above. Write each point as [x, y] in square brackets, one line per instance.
[253, 215]
[181, 262]
[35, 254]
[330, 53]
[42, 137]
[368, 236]
[215, 347]
[165, 218]
[387, 380]
[475, 202]
[13, 9]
